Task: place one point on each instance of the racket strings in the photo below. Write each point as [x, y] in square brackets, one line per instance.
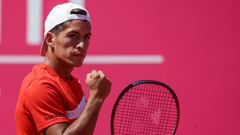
[163, 103]
[146, 109]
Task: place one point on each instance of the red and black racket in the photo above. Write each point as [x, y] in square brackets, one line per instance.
[145, 107]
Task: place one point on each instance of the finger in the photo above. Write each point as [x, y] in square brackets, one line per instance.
[88, 78]
[93, 71]
[89, 75]
[95, 74]
[100, 72]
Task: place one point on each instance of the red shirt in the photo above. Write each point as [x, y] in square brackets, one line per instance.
[46, 99]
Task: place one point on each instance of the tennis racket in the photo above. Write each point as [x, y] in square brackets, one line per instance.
[145, 107]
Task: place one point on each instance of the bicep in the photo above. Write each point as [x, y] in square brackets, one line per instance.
[56, 129]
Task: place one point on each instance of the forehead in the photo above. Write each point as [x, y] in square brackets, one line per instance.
[79, 26]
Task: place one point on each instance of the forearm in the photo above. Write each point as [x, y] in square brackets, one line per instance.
[86, 122]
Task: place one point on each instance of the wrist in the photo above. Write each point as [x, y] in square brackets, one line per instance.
[93, 98]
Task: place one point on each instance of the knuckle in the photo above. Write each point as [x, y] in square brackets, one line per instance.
[94, 71]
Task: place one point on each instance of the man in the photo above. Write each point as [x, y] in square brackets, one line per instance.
[51, 101]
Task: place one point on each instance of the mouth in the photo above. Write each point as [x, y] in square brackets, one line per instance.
[78, 55]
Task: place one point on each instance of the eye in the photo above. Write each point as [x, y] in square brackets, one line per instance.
[73, 36]
[87, 37]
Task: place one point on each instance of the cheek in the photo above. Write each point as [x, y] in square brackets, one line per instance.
[64, 51]
[65, 46]
[67, 50]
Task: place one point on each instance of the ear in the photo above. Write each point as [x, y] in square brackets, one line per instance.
[50, 37]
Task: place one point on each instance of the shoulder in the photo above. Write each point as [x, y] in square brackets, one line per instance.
[43, 95]
[39, 76]
[40, 86]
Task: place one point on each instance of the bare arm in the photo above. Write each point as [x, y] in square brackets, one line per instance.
[99, 87]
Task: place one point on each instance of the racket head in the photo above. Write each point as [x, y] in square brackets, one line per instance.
[139, 110]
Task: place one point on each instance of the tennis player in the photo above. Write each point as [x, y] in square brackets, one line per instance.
[51, 101]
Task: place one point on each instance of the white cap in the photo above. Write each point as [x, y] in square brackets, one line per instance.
[59, 14]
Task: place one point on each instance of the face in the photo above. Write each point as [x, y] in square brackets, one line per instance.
[70, 45]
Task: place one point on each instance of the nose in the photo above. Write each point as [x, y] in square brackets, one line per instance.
[82, 45]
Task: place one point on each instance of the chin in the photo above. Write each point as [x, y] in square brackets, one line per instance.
[77, 64]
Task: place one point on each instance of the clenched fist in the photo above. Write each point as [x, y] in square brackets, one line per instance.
[98, 84]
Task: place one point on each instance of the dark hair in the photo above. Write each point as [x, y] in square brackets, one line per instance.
[62, 26]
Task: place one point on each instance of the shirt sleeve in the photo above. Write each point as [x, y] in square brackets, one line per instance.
[45, 104]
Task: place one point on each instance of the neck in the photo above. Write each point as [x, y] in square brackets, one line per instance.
[62, 69]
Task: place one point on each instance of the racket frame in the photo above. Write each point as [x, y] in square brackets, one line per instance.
[145, 82]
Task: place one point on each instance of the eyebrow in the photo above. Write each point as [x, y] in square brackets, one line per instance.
[76, 32]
